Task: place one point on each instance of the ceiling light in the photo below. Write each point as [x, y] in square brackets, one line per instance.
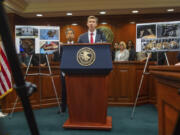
[74, 24]
[68, 14]
[102, 12]
[135, 11]
[170, 10]
[39, 15]
[104, 23]
[132, 22]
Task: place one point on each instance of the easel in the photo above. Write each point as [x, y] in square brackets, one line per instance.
[142, 77]
[38, 74]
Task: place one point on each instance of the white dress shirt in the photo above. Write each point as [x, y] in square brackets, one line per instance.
[70, 42]
[94, 36]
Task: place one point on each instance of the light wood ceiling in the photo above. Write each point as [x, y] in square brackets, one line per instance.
[54, 8]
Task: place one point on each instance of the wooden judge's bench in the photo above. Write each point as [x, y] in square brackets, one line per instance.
[123, 84]
[168, 96]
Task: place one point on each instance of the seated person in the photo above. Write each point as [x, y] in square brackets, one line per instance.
[154, 56]
[159, 57]
[178, 58]
[37, 60]
[141, 56]
[57, 56]
[24, 59]
[114, 50]
[132, 51]
[70, 35]
[121, 54]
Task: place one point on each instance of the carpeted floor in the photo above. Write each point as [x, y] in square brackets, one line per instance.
[49, 122]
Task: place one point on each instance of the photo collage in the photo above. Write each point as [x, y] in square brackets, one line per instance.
[37, 39]
[162, 36]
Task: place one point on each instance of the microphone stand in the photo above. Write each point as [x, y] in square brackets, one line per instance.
[22, 89]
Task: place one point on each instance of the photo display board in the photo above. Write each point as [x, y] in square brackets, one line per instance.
[37, 39]
[160, 36]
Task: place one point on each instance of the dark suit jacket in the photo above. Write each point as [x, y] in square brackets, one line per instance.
[178, 57]
[83, 38]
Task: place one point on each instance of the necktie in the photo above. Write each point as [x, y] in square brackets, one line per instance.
[91, 39]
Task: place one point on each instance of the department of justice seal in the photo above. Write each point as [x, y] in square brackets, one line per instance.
[86, 56]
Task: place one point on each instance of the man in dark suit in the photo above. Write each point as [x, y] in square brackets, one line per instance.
[93, 35]
[70, 40]
[178, 58]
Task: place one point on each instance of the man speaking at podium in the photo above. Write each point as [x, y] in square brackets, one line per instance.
[93, 35]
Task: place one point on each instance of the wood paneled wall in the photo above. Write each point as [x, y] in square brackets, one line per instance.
[119, 24]
[126, 32]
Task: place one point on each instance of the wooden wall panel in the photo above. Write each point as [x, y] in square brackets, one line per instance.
[119, 24]
[47, 90]
[144, 88]
[168, 108]
[152, 92]
[172, 57]
[124, 84]
[171, 115]
[126, 32]
[120, 89]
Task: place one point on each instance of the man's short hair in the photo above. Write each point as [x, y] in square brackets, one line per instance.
[69, 29]
[93, 17]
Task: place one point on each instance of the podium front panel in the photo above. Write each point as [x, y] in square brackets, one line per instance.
[102, 59]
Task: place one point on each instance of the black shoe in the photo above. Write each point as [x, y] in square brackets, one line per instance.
[63, 110]
[59, 112]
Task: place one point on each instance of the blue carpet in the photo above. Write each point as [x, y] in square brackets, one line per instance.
[49, 122]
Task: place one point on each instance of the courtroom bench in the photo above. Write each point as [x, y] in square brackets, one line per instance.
[123, 85]
[168, 97]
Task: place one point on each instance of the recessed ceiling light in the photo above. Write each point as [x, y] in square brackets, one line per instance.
[102, 12]
[104, 23]
[170, 10]
[135, 11]
[68, 14]
[74, 24]
[39, 15]
[132, 22]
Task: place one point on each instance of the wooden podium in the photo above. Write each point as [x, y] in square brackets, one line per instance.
[86, 67]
